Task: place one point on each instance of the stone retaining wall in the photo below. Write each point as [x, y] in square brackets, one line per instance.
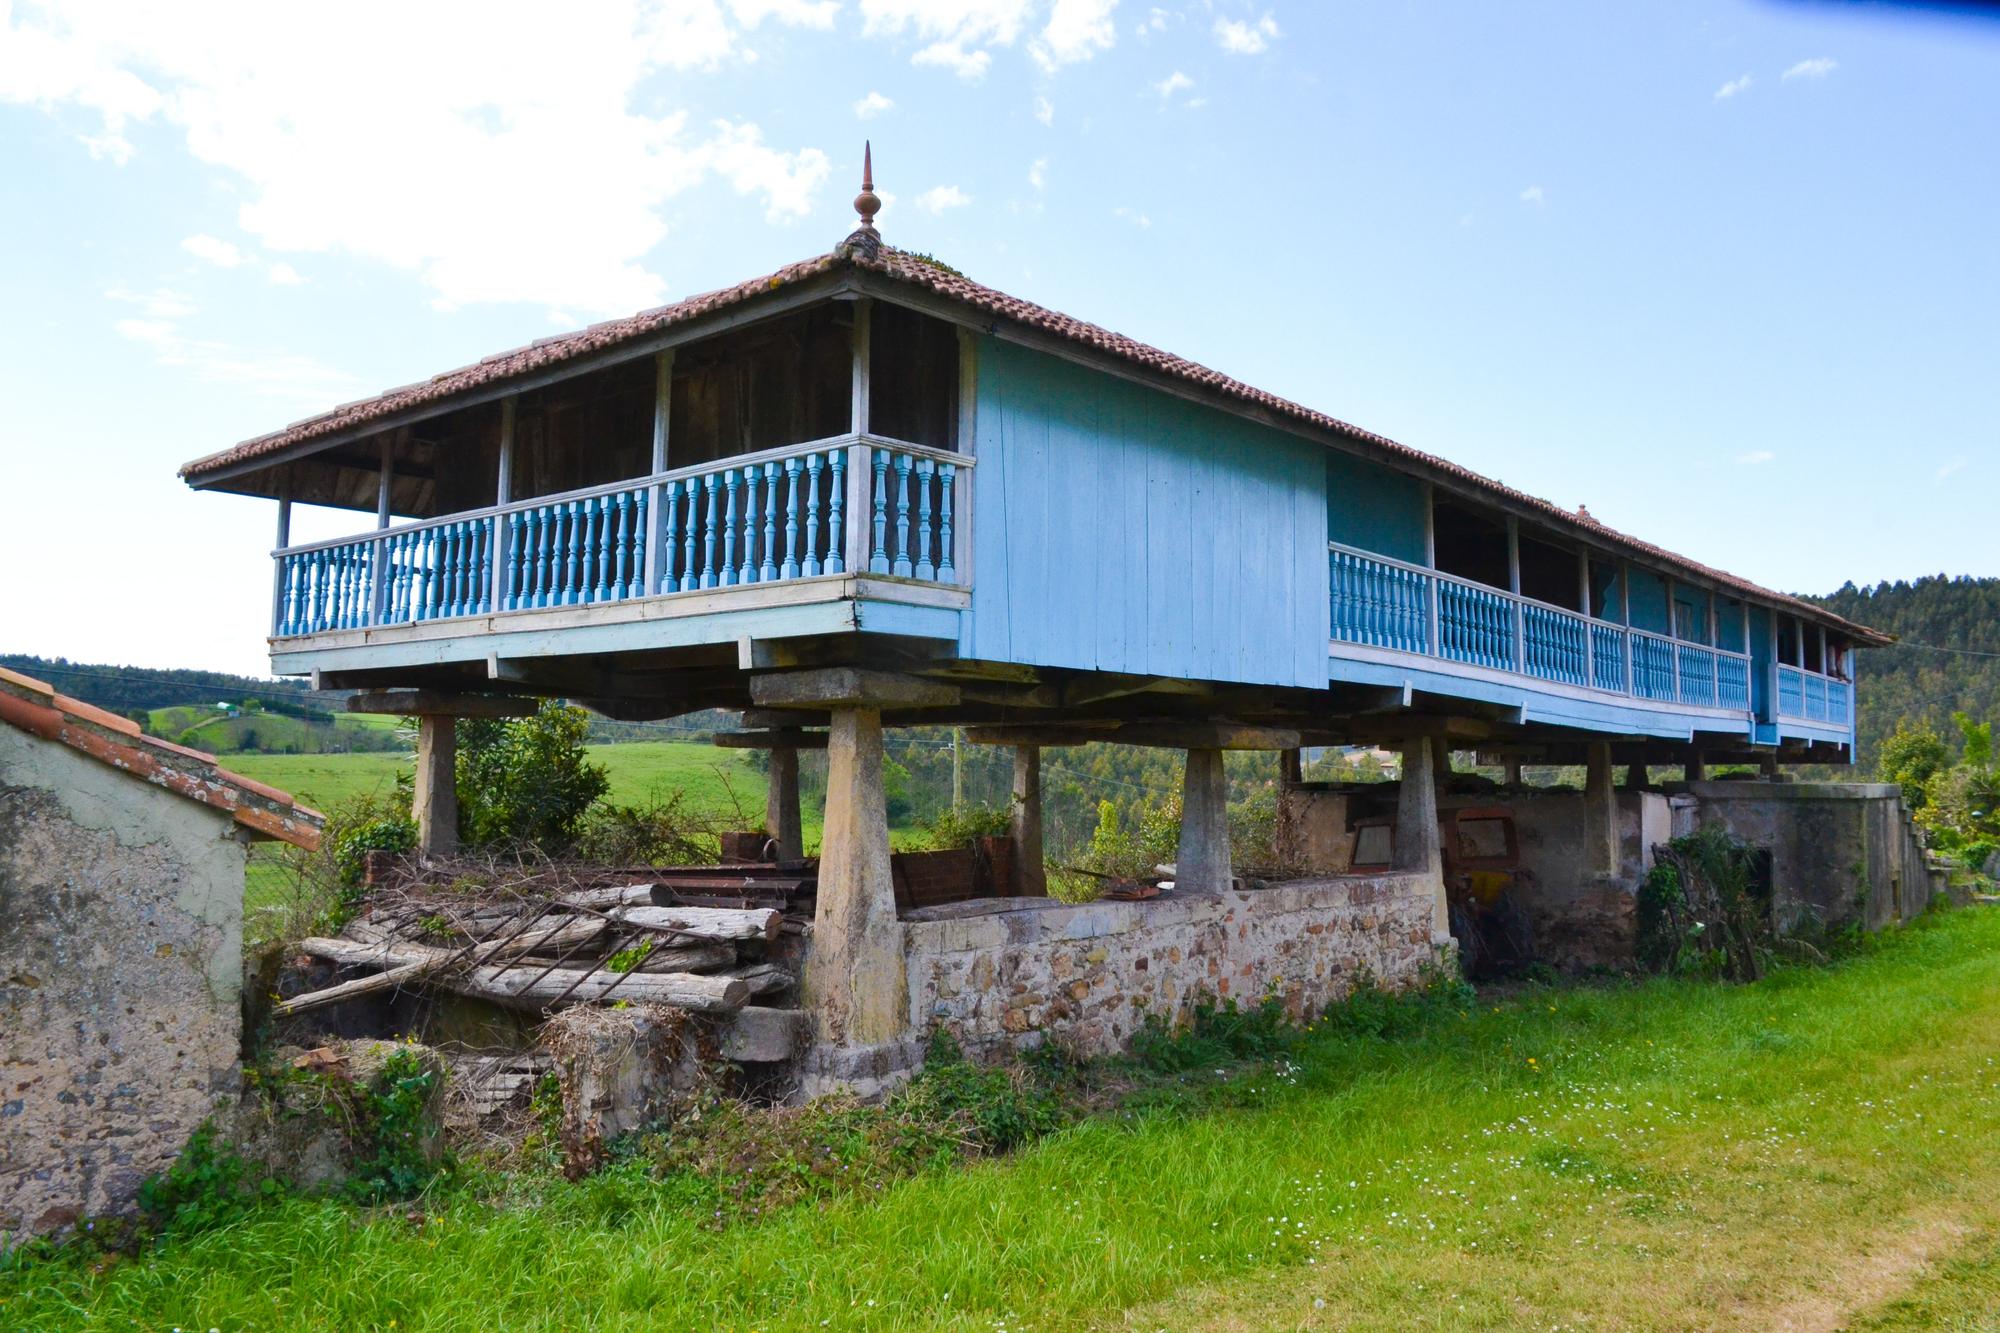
[1088, 975]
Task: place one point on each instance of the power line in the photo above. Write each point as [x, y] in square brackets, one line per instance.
[1940, 648]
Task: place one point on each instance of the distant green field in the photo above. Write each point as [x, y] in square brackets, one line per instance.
[222, 733]
[717, 781]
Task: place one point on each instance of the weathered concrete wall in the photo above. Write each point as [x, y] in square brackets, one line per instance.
[1089, 975]
[1840, 851]
[121, 927]
[1580, 918]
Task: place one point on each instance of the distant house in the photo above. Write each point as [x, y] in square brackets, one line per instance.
[121, 940]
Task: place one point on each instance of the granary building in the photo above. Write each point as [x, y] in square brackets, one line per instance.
[866, 491]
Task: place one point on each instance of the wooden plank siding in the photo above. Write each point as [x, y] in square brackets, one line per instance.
[1123, 529]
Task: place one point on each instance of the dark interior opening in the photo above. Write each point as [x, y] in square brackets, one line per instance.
[1471, 544]
[1551, 574]
[1606, 597]
[785, 381]
[1691, 615]
[1812, 653]
[912, 377]
[586, 431]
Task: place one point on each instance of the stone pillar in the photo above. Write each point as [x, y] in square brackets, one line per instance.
[1202, 864]
[1696, 769]
[781, 804]
[1025, 823]
[1441, 760]
[435, 794]
[1513, 771]
[1291, 769]
[1417, 828]
[855, 981]
[1637, 778]
[1600, 812]
[1767, 766]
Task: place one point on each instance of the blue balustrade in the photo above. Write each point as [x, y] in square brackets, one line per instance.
[1607, 658]
[1652, 667]
[1553, 644]
[1379, 604]
[1697, 684]
[1791, 692]
[1732, 681]
[1839, 701]
[1475, 625]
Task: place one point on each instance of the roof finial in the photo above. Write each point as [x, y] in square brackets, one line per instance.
[867, 203]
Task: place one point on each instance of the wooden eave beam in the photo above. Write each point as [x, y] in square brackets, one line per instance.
[849, 687]
[437, 703]
[784, 738]
[1160, 735]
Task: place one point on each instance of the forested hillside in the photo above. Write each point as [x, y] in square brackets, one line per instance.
[1948, 660]
[126, 689]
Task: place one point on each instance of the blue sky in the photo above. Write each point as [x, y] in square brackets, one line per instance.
[1725, 272]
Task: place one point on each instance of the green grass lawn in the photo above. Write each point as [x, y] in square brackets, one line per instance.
[715, 779]
[1818, 1150]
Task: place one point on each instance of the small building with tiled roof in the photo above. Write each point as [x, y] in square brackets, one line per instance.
[865, 490]
[122, 862]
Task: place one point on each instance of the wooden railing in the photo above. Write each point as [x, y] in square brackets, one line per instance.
[1808, 696]
[850, 504]
[1384, 603]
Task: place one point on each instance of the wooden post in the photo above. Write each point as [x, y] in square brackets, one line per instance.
[1696, 768]
[435, 796]
[503, 495]
[1514, 586]
[1600, 812]
[278, 560]
[781, 804]
[856, 980]
[378, 550]
[860, 458]
[663, 410]
[1434, 643]
[1202, 864]
[1589, 630]
[1513, 771]
[1025, 823]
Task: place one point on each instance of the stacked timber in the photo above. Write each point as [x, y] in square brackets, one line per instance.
[633, 942]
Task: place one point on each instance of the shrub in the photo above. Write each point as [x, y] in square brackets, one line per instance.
[962, 826]
[393, 1117]
[1121, 853]
[526, 781]
[994, 1110]
[1372, 1012]
[208, 1185]
[660, 832]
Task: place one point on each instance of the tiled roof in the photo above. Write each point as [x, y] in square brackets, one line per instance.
[37, 709]
[864, 252]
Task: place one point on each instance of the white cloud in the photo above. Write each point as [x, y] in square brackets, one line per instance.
[956, 32]
[1175, 82]
[1245, 39]
[872, 106]
[272, 374]
[1045, 111]
[264, 95]
[1816, 68]
[281, 274]
[1155, 21]
[212, 250]
[793, 13]
[1076, 31]
[1038, 173]
[1733, 87]
[1133, 216]
[940, 197]
[1954, 464]
[1754, 457]
[160, 303]
[1533, 195]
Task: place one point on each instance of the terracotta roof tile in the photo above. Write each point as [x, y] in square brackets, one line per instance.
[36, 708]
[864, 252]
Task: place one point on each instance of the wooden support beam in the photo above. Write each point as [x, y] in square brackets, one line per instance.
[792, 739]
[782, 719]
[1025, 823]
[850, 687]
[1161, 735]
[1096, 688]
[781, 803]
[434, 797]
[436, 703]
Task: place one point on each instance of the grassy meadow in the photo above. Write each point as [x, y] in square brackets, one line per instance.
[1818, 1150]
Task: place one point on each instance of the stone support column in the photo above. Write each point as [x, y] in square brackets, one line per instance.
[855, 980]
[1600, 812]
[1025, 823]
[1513, 772]
[1202, 864]
[1637, 778]
[435, 794]
[781, 804]
[1417, 847]
[1696, 769]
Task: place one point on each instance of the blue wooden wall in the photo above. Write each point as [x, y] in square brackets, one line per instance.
[1650, 607]
[1118, 528]
[1374, 509]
